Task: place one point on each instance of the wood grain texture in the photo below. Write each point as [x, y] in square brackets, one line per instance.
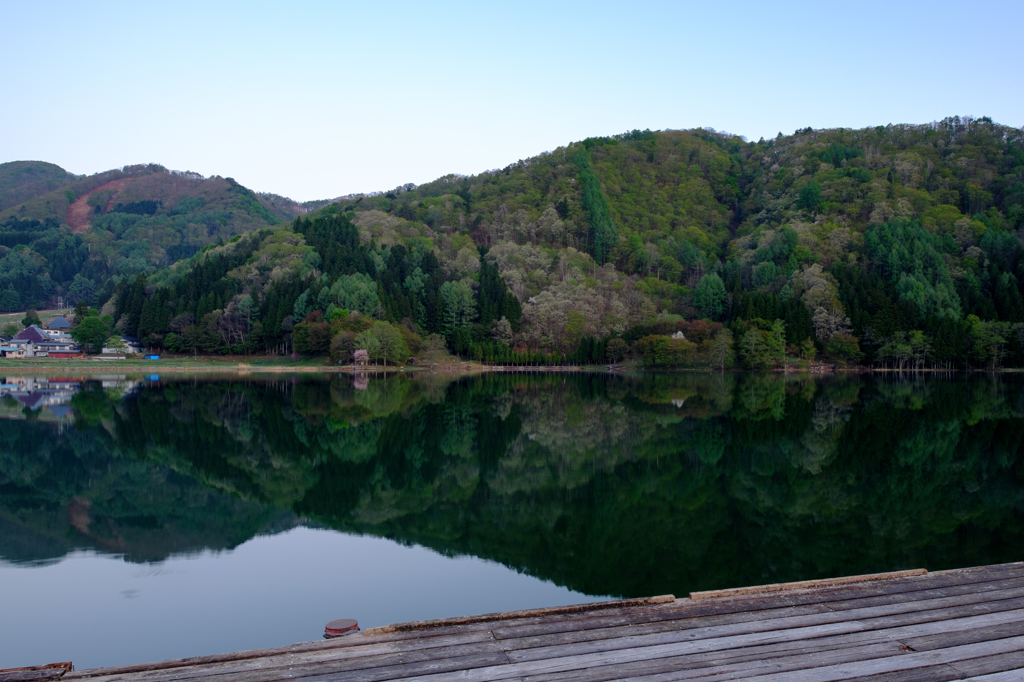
[37, 675]
[806, 584]
[530, 613]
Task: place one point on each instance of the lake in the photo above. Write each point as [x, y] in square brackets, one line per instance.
[143, 518]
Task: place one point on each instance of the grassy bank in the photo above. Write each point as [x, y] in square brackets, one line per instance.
[183, 363]
[249, 363]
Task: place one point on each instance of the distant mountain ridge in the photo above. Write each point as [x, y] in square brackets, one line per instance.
[38, 190]
[23, 180]
[62, 234]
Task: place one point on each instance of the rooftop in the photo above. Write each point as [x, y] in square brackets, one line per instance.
[31, 334]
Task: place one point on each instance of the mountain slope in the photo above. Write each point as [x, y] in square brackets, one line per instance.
[22, 180]
[71, 240]
[897, 244]
[764, 223]
[702, 187]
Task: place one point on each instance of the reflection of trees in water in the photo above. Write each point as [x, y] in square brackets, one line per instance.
[566, 440]
[623, 485]
[828, 416]
[819, 442]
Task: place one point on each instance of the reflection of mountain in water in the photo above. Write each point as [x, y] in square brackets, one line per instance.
[614, 485]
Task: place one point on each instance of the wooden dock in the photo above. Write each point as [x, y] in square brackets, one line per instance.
[964, 624]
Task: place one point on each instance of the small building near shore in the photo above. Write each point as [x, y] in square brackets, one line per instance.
[59, 324]
[12, 351]
[29, 340]
[37, 343]
[65, 354]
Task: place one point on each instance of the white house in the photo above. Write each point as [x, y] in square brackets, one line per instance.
[59, 326]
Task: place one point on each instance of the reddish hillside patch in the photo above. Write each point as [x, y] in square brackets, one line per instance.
[80, 213]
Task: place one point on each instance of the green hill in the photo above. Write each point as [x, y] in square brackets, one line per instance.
[23, 180]
[897, 244]
[71, 240]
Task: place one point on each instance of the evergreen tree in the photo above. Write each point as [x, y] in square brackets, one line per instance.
[603, 231]
[709, 296]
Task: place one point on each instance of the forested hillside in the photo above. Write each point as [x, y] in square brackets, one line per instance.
[65, 235]
[22, 180]
[898, 245]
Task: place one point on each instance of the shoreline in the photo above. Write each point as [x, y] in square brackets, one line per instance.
[211, 364]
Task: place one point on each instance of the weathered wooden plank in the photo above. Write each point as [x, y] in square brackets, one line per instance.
[760, 652]
[185, 668]
[361, 670]
[875, 617]
[684, 608]
[529, 613]
[701, 639]
[893, 664]
[933, 673]
[1013, 660]
[895, 586]
[621, 656]
[613, 631]
[938, 615]
[862, 644]
[626, 656]
[444, 637]
[965, 636]
[806, 584]
[1007, 676]
[29, 676]
[803, 636]
[1008, 666]
[927, 628]
[987, 569]
[735, 670]
[34, 674]
[305, 665]
[419, 670]
[427, 669]
[919, 595]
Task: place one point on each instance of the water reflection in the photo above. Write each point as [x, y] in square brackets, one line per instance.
[605, 484]
[50, 397]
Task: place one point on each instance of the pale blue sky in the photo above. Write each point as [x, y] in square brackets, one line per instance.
[317, 99]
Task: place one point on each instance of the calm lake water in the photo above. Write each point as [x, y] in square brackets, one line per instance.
[148, 518]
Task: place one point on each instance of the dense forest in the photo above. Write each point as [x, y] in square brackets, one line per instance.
[898, 246]
[635, 485]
